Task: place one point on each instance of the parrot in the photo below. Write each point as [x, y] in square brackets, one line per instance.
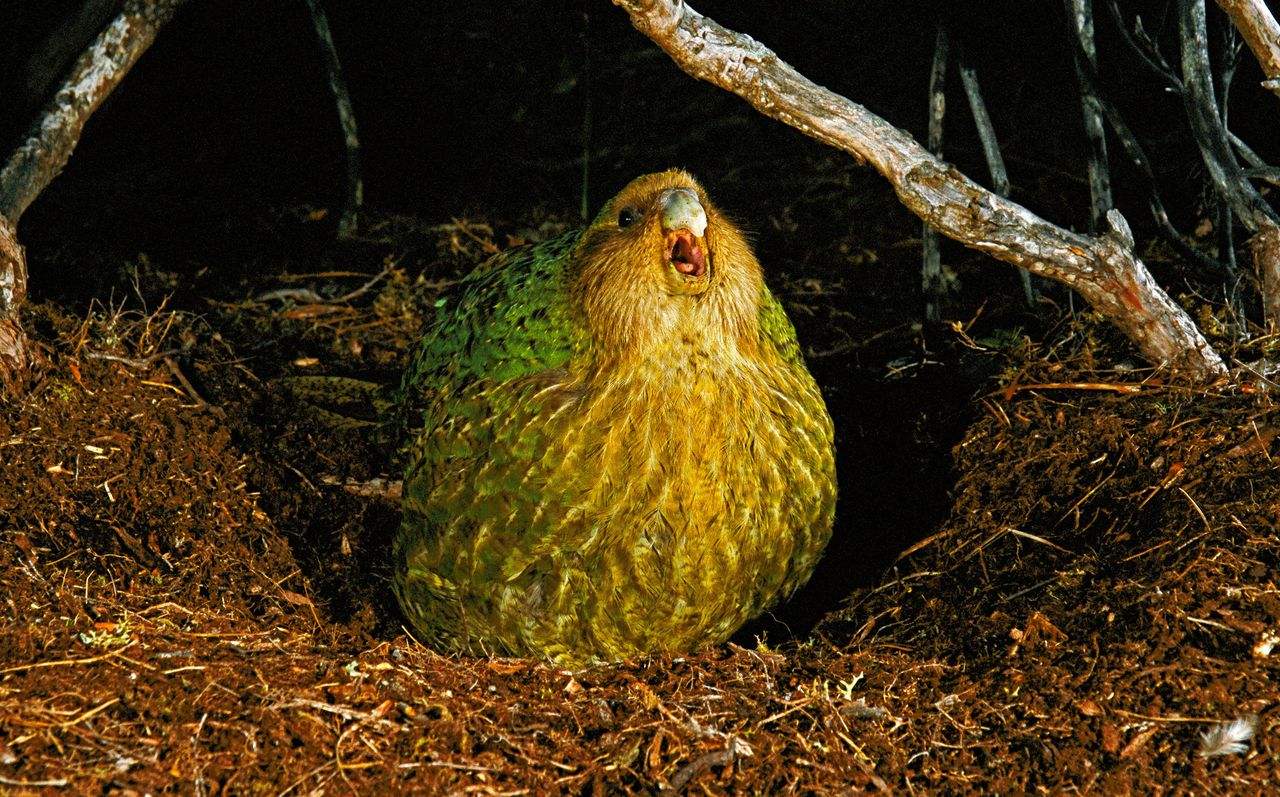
[612, 446]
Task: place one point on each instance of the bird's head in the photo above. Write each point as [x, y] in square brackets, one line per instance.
[661, 261]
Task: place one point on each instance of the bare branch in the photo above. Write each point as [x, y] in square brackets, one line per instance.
[1080, 15]
[48, 146]
[55, 53]
[991, 152]
[1206, 123]
[96, 73]
[1261, 32]
[932, 284]
[1215, 150]
[1146, 49]
[1102, 268]
[1229, 47]
[1090, 83]
[347, 118]
[986, 130]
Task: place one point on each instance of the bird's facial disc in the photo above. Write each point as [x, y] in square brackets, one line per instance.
[684, 226]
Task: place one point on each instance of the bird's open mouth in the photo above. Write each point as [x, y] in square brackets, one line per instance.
[685, 253]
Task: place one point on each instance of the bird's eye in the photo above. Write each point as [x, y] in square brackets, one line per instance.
[627, 217]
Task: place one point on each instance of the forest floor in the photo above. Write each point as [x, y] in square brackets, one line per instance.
[1053, 571]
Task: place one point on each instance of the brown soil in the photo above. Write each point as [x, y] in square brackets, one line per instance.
[194, 606]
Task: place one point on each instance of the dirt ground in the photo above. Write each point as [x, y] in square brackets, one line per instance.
[1053, 572]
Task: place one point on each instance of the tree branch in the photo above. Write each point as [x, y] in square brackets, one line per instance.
[1206, 122]
[47, 148]
[1215, 150]
[1229, 46]
[1103, 269]
[991, 152]
[1080, 17]
[1091, 83]
[1260, 32]
[54, 54]
[932, 284]
[346, 117]
[96, 73]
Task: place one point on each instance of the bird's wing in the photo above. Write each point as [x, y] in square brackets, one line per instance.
[508, 319]
[776, 328]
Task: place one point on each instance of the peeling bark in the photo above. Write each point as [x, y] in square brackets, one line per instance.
[1265, 247]
[15, 357]
[1103, 269]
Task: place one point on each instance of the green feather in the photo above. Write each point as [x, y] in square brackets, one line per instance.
[776, 328]
[508, 319]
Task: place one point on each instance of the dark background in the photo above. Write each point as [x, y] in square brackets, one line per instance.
[482, 104]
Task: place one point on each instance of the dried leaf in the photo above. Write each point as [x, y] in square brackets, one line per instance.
[1136, 744]
[1089, 708]
[295, 598]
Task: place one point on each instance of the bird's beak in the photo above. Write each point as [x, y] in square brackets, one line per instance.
[684, 224]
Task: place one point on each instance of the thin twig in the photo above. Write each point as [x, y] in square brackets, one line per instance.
[1138, 159]
[191, 391]
[1197, 508]
[1141, 43]
[61, 662]
[93, 712]
[346, 116]
[1036, 538]
[134, 362]
[35, 784]
[329, 708]
[932, 284]
[1080, 13]
[991, 151]
[1105, 387]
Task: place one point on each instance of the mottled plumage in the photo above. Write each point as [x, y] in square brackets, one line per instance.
[616, 447]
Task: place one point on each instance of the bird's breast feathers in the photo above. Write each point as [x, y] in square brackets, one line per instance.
[622, 450]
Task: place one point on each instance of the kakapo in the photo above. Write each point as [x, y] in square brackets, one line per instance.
[614, 446]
